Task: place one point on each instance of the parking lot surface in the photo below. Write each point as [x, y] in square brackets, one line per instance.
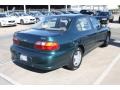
[4, 81]
[101, 66]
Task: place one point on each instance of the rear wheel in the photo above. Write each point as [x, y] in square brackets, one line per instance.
[111, 20]
[106, 42]
[76, 60]
[0, 24]
[21, 21]
[119, 19]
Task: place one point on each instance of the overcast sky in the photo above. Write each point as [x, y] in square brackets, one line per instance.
[112, 6]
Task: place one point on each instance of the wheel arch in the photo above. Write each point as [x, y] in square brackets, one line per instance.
[21, 19]
[82, 48]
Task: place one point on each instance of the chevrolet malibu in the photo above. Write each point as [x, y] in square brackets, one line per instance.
[59, 41]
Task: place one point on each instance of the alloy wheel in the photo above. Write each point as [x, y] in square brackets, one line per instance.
[77, 58]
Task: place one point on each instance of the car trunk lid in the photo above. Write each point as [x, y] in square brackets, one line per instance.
[28, 38]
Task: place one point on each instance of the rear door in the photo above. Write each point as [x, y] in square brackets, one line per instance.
[100, 32]
[87, 33]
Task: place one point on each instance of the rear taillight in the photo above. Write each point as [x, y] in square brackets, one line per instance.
[42, 45]
[15, 40]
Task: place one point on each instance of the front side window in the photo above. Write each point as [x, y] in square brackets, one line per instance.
[95, 23]
[78, 25]
[83, 24]
[54, 23]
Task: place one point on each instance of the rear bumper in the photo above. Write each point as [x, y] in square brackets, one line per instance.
[44, 61]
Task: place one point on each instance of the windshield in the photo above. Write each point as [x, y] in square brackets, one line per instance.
[57, 12]
[65, 12]
[20, 14]
[35, 13]
[47, 13]
[86, 12]
[23, 14]
[103, 13]
[2, 15]
[54, 23]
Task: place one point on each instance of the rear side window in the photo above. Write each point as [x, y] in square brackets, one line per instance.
[83, 24]
[52, 22]
[95, 23]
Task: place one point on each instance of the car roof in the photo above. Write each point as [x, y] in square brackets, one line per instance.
[70, 15]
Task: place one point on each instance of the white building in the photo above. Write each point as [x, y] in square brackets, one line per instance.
[93, 7]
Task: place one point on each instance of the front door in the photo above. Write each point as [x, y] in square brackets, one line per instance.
[100, 32]
[87, 33]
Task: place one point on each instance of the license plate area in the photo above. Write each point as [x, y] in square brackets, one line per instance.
[23, 58]
[104, 18]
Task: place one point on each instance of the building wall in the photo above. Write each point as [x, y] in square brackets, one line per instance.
[91, 7]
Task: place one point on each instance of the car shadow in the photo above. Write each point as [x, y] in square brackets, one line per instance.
[114, 43]
[26, 24]
[31, 68]
[8, 26]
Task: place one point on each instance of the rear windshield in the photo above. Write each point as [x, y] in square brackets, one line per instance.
[54, 23]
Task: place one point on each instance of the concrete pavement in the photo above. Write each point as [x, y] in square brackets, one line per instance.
[4, 81]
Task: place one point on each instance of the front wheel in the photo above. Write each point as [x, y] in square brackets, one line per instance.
[21, 22]
[76, 60]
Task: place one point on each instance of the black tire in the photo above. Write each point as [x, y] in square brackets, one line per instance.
[119, 20]
[106, 42]
[71, 65]
[0, 24]
[22, 22]
[111, 20]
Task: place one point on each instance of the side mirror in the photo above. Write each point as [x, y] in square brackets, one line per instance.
[103, 22]
[99, 27]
